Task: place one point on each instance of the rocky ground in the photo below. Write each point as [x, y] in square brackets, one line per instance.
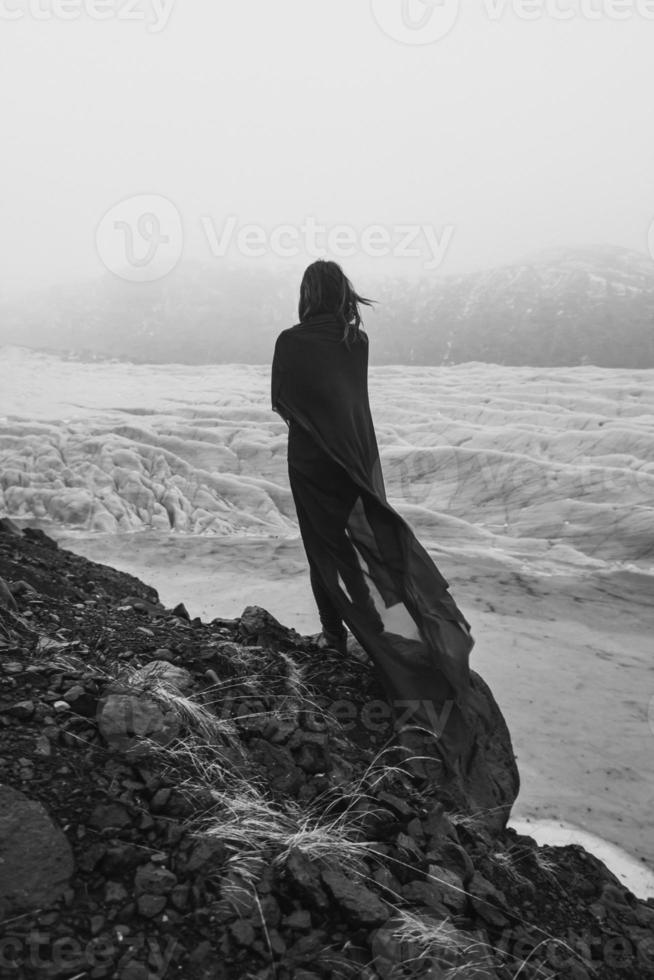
[223, 799]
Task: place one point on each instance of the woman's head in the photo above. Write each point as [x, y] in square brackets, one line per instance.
[326, 289]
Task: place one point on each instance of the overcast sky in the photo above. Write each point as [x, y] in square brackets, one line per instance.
[488, 134]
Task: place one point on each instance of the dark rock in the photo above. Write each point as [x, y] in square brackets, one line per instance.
[491, 782]
[374, 822]
[270, 910]
[7, 526]
[20, 587]
[411, 849]
[97, 924]
[208, 854]
[487, 901]
[181, 611]
[160, 799]
[387, 881]
[360, 904]
[109, 815]
[180, 896]
[277, 943]
[39, 536]
[163, 653]
[22, 710]
[81, 702]
[279, 730]
[426, 893]
[307, 947]
[456, 858]
[128, 723]
[120, 858]
[242, 932]
[305, 878]
[91, 857]
[452, 889]
[150, 905]
[152, 608]
[313, 758]
[161, 671]
[115, 893]
[36, 858]
[300, 920]
[395, 803]
[277, 762]
[258, 623]
[154, 880]
[7, 600]
[206, 964]
[436, 823]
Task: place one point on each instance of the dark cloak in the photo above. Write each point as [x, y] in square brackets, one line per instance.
[379, 577]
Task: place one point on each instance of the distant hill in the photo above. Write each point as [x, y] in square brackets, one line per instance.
[584, 306]
[591, 305]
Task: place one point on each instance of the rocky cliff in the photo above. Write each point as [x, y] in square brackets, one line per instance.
[222, 799]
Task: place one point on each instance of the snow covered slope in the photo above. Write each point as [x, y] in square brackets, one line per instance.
[544, 465]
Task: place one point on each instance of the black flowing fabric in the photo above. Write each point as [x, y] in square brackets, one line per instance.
[363, 556]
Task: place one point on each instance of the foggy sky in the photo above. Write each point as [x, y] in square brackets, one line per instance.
[514, 134]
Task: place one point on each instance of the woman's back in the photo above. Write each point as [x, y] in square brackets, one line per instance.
[321, 384]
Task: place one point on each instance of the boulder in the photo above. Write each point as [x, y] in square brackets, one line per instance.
[128, 722]
[485, 782]
[7, 526]
[361, 905]
[305, 878]
[181, 611]
[35, 857]
[491, 780]
[161, 671]
[259, 625]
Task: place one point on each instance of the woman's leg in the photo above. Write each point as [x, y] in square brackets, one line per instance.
[324, 498]
[330, 618]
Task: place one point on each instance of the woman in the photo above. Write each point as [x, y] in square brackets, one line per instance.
[368, 572]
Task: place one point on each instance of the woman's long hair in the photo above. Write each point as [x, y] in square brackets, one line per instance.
[326, 289]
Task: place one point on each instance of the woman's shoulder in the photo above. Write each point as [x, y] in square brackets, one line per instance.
[283, 338]
[285, 335]
[298, 332]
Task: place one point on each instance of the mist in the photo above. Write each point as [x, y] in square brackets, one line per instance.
[419, 141]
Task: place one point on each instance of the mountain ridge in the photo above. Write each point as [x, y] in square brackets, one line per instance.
[592, 304]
